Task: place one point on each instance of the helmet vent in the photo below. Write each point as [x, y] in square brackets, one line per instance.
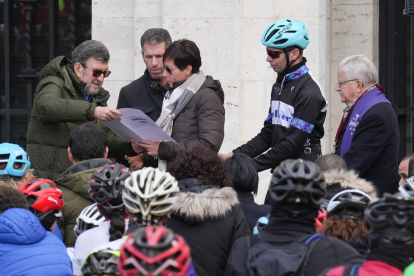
[268, 29]
[271, 34]
[306, 37]
[4, 156]
[20, 157]
[280, 41]
[280, 26]
[291, 32]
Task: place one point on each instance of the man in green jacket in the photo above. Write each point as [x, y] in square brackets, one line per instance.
[70, 93]
[87, 151]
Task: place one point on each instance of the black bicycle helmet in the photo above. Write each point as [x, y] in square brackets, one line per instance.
[348, 200]
[390, 220]
[298, 181]
[103, 262]
[107, 184]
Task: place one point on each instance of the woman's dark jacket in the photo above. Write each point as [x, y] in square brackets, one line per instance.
[252, 211]
[210, 220]
[200, 123]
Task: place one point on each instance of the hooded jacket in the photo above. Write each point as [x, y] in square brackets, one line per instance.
[210, 221]
[338, 180]
[26, 248]
[59, 106]
[74, 183]
[200, 123]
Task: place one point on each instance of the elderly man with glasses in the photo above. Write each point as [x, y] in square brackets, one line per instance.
[368, 136]
[70, 93]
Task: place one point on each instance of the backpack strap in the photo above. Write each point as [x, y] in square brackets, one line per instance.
[311, 246]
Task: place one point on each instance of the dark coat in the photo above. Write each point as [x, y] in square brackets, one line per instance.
[200, 123]
[145, 94]
[210, 221]
[59, 106]
[374, 150]
[252, 211]
[327, 252]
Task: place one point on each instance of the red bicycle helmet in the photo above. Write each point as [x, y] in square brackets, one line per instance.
[42, 195]
[154, 251]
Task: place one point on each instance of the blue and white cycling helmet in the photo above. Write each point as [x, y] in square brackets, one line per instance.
[14, 161]
[286, 33]
[261, 222]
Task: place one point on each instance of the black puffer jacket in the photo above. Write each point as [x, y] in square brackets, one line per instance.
[251, 209]
[210, 221]
[200, 123]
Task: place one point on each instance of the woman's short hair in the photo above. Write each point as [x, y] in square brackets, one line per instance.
[359, 67]
[11, 198]
[243, 173]
[184, 52]
[201, 163]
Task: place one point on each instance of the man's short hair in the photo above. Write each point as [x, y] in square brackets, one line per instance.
[359, 67]
[11, 198]
[87, 141]
[156, 36]
[329, 162]
[88, 49]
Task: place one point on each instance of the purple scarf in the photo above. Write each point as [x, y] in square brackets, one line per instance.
[371, 98]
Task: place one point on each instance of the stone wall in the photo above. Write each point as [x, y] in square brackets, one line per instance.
[228, 33]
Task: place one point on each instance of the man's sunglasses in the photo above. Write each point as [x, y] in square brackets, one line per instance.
[273, 54]
[97, 73]
[169, 70]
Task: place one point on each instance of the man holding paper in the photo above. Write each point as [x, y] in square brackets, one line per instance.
[70, 93]
[192, 111]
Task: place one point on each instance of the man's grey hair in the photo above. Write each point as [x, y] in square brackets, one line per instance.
[156, 36]
[359, 67]
[88, 49]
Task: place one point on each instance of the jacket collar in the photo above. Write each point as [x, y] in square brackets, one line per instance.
[83, 166]
[293, 68]
[155, 86]
[209, 204]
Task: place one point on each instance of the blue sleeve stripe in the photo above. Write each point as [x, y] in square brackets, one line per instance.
[269, 117]
[302, 125]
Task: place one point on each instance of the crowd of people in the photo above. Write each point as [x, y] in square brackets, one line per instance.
[83, 201]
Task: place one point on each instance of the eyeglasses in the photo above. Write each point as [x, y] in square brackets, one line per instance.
[97, 73]
[273, 54]
[169, 70]
[343, 82]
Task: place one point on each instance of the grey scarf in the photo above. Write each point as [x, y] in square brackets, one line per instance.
[168, 114]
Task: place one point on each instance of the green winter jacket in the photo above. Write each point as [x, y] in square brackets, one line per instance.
[59, 106]
[74, 183]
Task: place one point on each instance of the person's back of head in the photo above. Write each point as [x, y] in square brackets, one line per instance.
[149, 195]
[14, 165]
[44, 200]
[297, 182]
[155, 251]
[11, 198]
[329, 162]
[86, 142]
[105, 188]
[243, 173]
[390, 221]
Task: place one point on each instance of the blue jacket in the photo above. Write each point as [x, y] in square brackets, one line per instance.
[26, 248]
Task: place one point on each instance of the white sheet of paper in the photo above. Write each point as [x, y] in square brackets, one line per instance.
[136, 125]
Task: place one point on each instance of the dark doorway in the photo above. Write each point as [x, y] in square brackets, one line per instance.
[33, 32]
[396, 68]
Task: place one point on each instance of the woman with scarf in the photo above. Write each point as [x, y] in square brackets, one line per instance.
[192, 111]
[368, 136]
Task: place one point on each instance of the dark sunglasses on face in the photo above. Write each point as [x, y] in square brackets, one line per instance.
[169, 70]
[273, 54]
[97, 73]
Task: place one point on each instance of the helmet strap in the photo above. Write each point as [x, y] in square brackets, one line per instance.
[288, 63]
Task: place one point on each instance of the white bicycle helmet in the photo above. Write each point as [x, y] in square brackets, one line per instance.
[407, 189]
[90, 217]
[150, 192]
[348, 200]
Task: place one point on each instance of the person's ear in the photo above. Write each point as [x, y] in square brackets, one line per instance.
[78, 68]
[106, 152]
[188, 70]
[295, 54]
[71, 156]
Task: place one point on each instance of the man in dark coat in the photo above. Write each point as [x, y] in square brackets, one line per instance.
[147, 92]
[368, 136]
[70, 93]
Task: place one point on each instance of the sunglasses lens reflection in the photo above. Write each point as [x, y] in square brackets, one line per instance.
[273, 54]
